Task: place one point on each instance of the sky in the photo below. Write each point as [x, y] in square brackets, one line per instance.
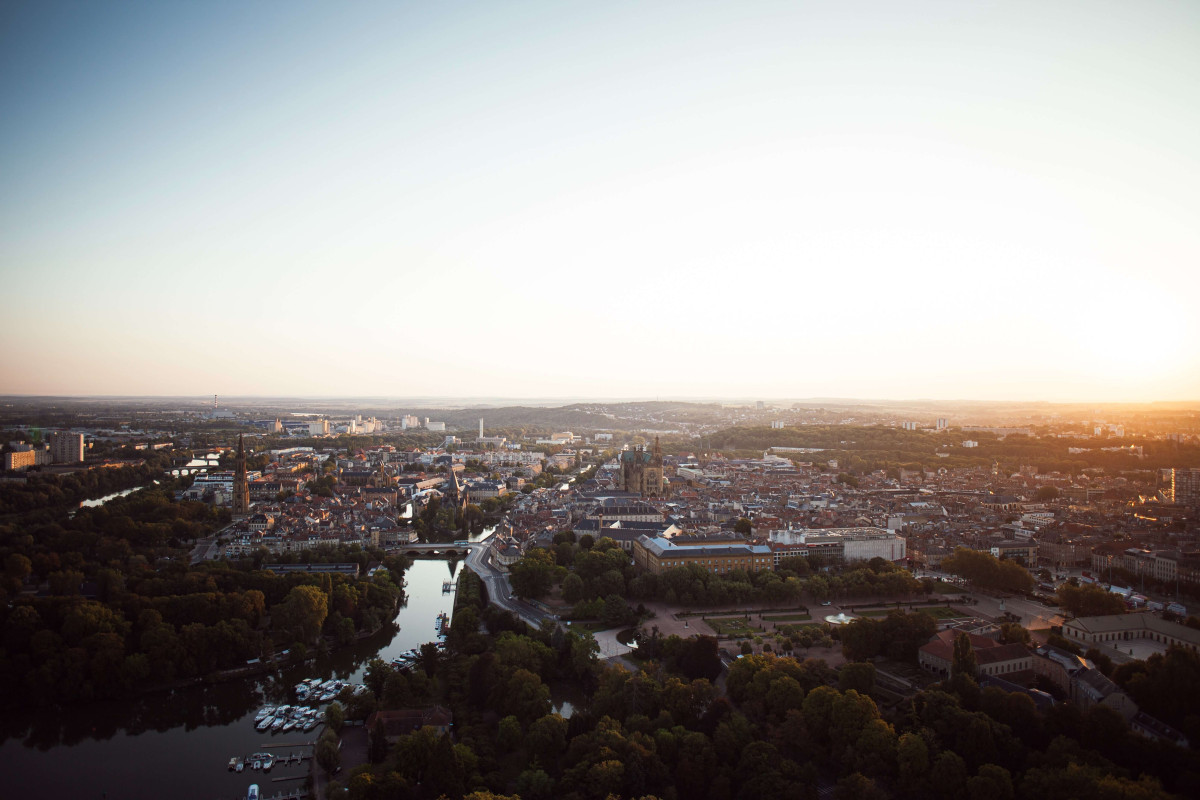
[945, 200]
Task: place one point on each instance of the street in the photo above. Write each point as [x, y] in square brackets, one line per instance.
[479, 560]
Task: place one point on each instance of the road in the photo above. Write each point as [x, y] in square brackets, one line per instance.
[479, 560]
[1033, 614]
[208, 549]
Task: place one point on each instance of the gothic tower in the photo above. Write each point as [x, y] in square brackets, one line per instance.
[241, 490]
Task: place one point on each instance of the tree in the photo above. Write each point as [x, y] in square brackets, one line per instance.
[743, 526]
[858, 676]
[616, 611]
[302, 612]
[377, 748]
[533, 575]
[1046, 493]
[963, 662]
[992, 782]
[572, 588]
[335, 717]
[948, 776]
[328, 756]
[1089, 601]
[1013, 633]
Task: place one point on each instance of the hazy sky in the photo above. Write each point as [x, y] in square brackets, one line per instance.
[885, 199]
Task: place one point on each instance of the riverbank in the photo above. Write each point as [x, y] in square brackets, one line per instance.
[196, 726]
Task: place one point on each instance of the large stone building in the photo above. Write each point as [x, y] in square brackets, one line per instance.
[642, 470]
[657, 554]
[1116, 628]
[991, 657]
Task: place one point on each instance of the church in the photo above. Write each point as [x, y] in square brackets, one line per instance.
[642, 470]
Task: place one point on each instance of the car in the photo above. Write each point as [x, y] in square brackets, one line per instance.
[826, 602]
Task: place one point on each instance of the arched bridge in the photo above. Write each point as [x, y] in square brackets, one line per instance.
[440, 548]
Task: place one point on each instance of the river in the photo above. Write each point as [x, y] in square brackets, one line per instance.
[178, 744]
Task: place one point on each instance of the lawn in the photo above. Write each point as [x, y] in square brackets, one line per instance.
[787, 618]
[943, 612]
[732, 626]
[947, 588]
[937, 612]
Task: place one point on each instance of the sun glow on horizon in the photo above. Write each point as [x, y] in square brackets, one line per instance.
[799, 200]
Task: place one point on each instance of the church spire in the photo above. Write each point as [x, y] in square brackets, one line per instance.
[241, 490]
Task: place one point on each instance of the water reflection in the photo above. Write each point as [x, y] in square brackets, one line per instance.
[195, 729]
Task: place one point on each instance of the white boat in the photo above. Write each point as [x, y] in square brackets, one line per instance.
[265, 723]
[241, 765]
[252, 794]
[287, 726]
[264, 712]
[312, 723]
[256, 765]
[233, 762]
[270, 762]
[277, 724]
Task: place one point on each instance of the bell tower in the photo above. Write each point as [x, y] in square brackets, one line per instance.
[241, 490]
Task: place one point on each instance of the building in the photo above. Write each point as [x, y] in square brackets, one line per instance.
[66, 448]
[1117, 628]
[482, 490]
[625, 532]
[349, 569]
[318, 428]
[241, 489]
[991, 657]
[404, 721]
[839, 545]
[642, 470]
[24, 459]
[657, 555]
[1184, 486]
[1023, 551]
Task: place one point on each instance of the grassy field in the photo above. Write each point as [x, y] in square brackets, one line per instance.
[937, 612]
[787, 618]
[947, 588]
[943, 612]
[731, 626]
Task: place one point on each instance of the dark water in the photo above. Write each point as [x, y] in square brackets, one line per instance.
[178, 744]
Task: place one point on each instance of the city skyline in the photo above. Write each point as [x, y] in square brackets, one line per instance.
[926, 200]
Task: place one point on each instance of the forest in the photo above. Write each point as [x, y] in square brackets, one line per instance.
[866, 448]
[104, 603]
[774, 727]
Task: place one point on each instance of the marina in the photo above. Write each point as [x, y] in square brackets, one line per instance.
[200, 727]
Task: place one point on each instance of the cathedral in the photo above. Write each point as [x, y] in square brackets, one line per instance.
[642, 470]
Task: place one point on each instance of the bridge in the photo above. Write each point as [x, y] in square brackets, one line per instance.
[441, 548]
